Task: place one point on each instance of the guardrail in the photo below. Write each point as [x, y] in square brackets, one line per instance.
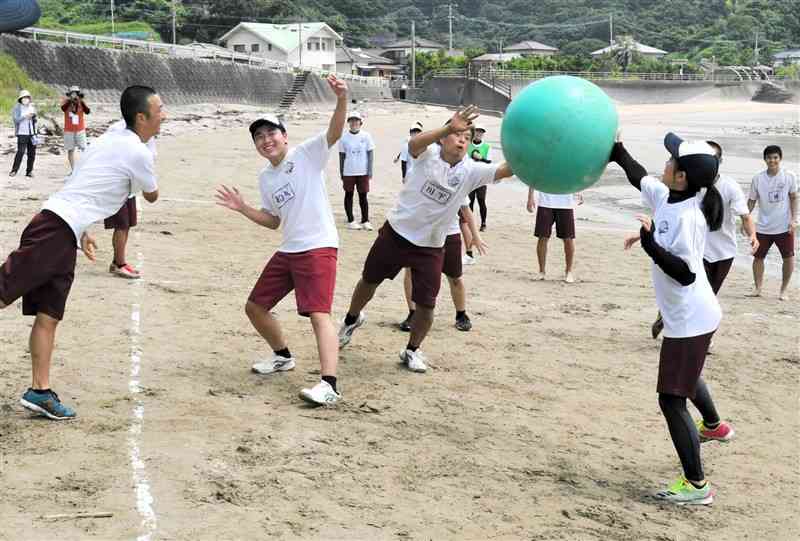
[592, 75]
[219, 54]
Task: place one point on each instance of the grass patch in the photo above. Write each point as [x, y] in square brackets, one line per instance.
[12, 80]
[102, 28]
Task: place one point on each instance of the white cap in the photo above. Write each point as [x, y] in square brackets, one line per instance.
[356, 115]
[24, 94]
[416, 126]
[477, 127]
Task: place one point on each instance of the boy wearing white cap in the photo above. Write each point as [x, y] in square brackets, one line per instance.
[406, 163]
[294, 197]
[355, 165]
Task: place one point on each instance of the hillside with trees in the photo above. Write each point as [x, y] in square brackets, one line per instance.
[725, 29]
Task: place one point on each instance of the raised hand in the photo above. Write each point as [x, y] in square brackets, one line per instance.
[338, 86]
[230, 198]
[463, 119]
[646, 222]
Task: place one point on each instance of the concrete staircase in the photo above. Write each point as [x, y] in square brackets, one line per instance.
[287, 100]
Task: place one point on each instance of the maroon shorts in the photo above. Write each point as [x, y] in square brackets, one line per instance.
[390, 252]
[784, 242]
[452, 265]
[311, 274]
[680, 364]
[563, 218]
[125, 218]
[360, 181]
[717, 272]
[42, 269]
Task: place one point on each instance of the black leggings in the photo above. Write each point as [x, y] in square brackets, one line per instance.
[481, 195]
[24, 144]
[682, 429]
[362, 203]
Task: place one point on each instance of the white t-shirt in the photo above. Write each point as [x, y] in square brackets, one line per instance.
[455, 227]
[680, 228]
[772, 194]
[355, 147]
[429, 200]
[556, 200]
[404, 155]
[721, 244]
[295, 191]
[120, 126]
[115, 166]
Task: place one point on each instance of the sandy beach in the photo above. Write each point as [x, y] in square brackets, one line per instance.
[542, 423]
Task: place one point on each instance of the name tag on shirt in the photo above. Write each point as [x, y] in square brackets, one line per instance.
[775, 196]
[74, 119]
[436, 193]
[283, 195]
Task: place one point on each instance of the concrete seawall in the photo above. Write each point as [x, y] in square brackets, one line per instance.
[105, 73]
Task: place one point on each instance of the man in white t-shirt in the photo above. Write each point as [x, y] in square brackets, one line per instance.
[416, 229]
[294, 197]
[554, 209]
[122, 222]
[405, 160]
[356, 158]
[42, 269]
[775, 191]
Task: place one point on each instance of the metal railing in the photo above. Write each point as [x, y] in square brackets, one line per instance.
[220, 54]
[592, 75]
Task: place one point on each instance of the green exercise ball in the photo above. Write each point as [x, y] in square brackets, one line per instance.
[558, 132]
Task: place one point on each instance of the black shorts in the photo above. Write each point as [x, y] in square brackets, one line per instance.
[563, 218]
[681, 363]
[125, 218]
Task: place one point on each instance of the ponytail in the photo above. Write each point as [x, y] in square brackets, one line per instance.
[713, 208]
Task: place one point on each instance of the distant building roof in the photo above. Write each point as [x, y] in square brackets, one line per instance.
[283, 36]
[496, 57]
[530, 46]
[421, 42]
[359, 56]
[640, 48]
[791, 53]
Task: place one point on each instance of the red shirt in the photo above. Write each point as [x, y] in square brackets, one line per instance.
[71, 111]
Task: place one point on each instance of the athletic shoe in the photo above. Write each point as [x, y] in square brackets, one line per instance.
[483, 227]
[682, 492]
[12, 174]
[47, 404]
[125, 271]
[366, 226]
[463, 323]
[569, 278]
[321, 394]
[29, 175]
[346, 331]
[413, 360]
[275, 364]
[405, 325]
[724, 432]
[355, 226]
[468, 260]
[540, 277]
[657, 327]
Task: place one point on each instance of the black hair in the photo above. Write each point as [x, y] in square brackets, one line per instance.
[713, 208]
[134, 100]
[773, 149]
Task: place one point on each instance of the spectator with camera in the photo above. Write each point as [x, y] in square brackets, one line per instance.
[75, 110]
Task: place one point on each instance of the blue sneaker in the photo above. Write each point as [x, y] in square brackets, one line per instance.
[47, 404]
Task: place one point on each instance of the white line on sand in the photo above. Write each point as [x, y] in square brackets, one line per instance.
[197, 201]
[144, 500]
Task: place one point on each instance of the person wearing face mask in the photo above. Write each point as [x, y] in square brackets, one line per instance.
[416, 230]
[24, 116]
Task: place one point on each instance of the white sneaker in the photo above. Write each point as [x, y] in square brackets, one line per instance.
[569, 278]
[539, 277]
[322, 394]
[353, 225]
[346, 331]
[366, 226]
[275, 364]
[413, 360]
[467, 260]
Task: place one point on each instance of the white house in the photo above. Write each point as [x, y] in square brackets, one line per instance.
[361, 62]
[785, 58]
[531, 48]
[644, 50]
[299, 44]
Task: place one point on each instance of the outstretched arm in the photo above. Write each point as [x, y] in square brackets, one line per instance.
[461, 121]
[336, 125]
[503, 171]
[232, 199]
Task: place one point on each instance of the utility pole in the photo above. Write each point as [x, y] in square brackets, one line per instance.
[450, 21]
[173, 22]
[300, 39]
[755, 50]
[413, 56]
[112, 17]
[611, 29]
